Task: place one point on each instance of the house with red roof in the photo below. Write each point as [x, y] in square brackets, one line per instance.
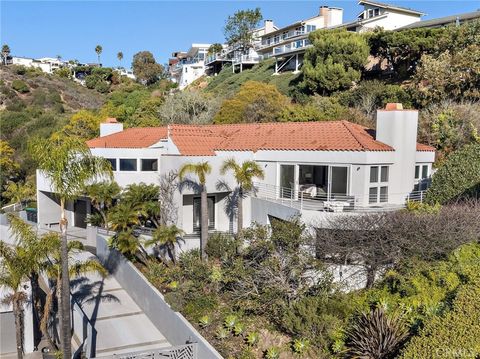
[313, 169]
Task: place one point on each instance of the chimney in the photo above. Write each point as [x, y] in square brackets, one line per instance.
[397, 128]
[269, 26]
[325, 13]
[110, 126]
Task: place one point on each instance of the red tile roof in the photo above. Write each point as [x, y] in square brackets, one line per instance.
[425, 148]
[139, 137]
[204, 140]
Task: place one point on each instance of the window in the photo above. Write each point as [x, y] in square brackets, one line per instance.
[149, 164]
[417, 172]
[113, 163]
[373, 174]
[384, 174]
[372, 195]
[383, 194]
[376, 12]
[370, 13]
[424, 171]
[128, 164]
[311, 28]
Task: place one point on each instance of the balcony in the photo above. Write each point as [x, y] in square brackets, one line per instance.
[217, 58]
[281, 38]
[247, 59]
[293, 46]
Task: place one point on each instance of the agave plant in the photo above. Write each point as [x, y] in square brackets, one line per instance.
[300, 346]
[204, 321]
[238, 329]
[252, 339]
[375, 335]
[272, 353]
[222, 333]
[230, 321]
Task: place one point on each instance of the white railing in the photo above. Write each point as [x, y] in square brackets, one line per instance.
[14, 207]
[317, 200]
[188, 351]
[247, 59]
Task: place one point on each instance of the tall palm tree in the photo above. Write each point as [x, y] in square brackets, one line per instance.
[98, 50]
[244, 174]
[201, 170]
[120, 58]
[166, 237]
[5, 53]
[53, 270]
[101, 195]
[68, 165]
[13, 273]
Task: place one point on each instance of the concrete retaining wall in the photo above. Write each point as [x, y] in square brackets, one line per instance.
[171, 324]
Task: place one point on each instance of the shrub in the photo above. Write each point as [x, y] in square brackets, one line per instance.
[455, 334]
[20, 86]
[458, 177]
[375, 335]
[220, 246]
[102, 86]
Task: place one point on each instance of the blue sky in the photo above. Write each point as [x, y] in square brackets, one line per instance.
[72, 29]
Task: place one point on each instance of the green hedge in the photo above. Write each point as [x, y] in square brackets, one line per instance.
[455, 335]
[458, 177]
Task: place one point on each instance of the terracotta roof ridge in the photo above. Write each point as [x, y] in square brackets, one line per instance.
[347, 124]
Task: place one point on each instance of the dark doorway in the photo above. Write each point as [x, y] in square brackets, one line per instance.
[196, 213]
[80, 217]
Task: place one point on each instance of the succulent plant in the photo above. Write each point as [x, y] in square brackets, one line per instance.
[252, 338]
[173, 285]
[300, 346]
[238, 328]
[230, 321]
[272, 353]
[204, 321]
[222, 333]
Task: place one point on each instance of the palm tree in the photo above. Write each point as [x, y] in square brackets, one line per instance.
[68, 164]
[244, 174]
[5, 53]
[98, 50]
[120, 58]
[13, 272]
[167, 237]
[101, 195]
[201, 170]
[53, 270]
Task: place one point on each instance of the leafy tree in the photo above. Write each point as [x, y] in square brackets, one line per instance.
[189, 107]
[145, 68]
[8, 166]
[239, 28]
[20, 192]
[201, 170]
[215, 49]
[145, 197]
[458, 177]
[68, 164]
[98, 50]
[83, 124]
[120, 58]
[244, 174]
[335, 60]
[254, 102]
[166, 237]
[5, 53]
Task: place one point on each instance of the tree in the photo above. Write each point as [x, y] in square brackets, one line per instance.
[457, 178]
[254, 102]
[13, 272]
[20, 192]
[5, 53]
[120, 58]
[98, 50]
[166, 197]
[244, 174]
[145, 68]
[201, 170]
[101, 195]
[8, 167]
[215, 49]
[335, 60]
[189, 107]
[239, 28]
[166, 237]
[68, 165]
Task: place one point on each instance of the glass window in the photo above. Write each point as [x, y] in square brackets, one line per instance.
[417, 172]
[372, 195]
[128, 164]
[149, 164]
[370, 13]
[424, 171]
[384, 174]
[113, 163]
[384, 194]
[373, 174]
[376, 12]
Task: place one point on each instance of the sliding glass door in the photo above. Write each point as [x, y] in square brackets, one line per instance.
[287, 181]
[338, 181]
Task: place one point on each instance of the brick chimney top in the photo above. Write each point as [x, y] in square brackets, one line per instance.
[394, 107]
[111, 120]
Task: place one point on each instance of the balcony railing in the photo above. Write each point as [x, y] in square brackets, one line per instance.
[247, 59]
[300, 44]
[283, 37]
[332, 202]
